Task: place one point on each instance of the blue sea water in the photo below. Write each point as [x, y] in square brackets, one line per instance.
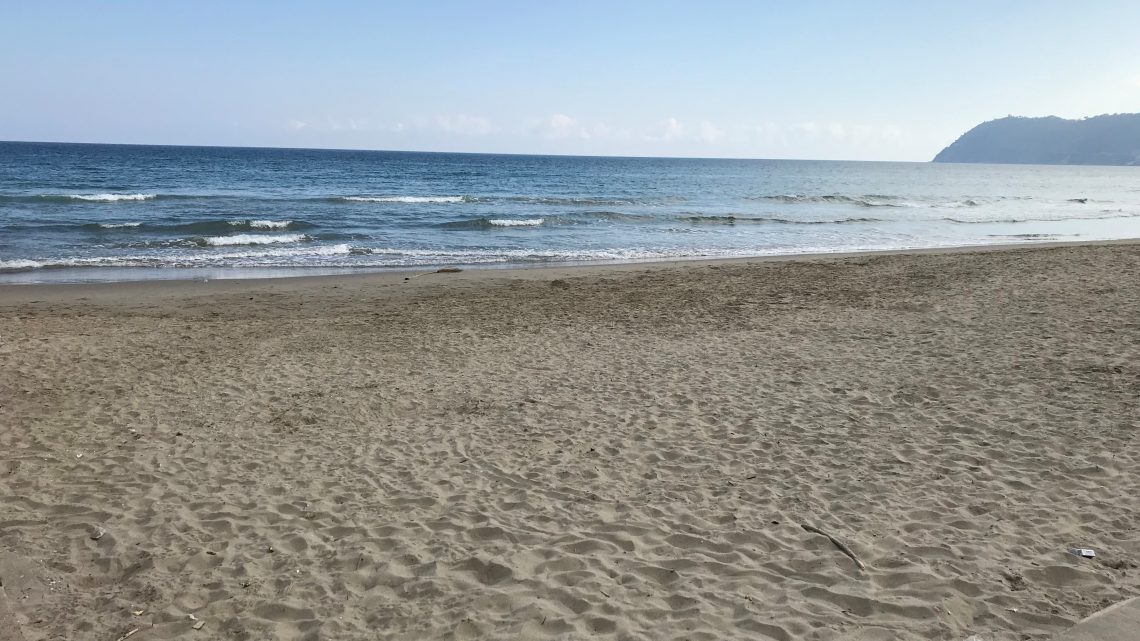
[78, 212]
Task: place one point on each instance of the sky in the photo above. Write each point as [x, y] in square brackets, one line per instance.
[812, 79]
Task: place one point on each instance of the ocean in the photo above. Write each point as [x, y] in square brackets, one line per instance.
[86, 212]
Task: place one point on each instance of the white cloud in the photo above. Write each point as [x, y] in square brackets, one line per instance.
[710, 133]
[807, 129]
[562, 126]
[768, 133]
[565, 128]
[602, 130]
[463, 124]
[673, 129]
[855, 134]
[562, 122]
[560, 132]
[333, 123]
[668, 130]
[350, 124]
[768, 138]
[830, 139]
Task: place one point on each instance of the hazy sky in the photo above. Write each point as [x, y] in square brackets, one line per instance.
[837, 80]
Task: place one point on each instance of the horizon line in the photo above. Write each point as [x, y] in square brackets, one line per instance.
[465, 153]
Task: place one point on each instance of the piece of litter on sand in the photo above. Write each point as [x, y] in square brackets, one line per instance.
[137, 613]
[198, 625]
[130, 633]
[97, 533]
[1087, 553]
[840, 545]
[448, 270]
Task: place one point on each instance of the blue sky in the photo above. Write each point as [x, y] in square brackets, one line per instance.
[833, 80]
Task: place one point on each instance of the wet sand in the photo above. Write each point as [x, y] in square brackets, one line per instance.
[605, 452]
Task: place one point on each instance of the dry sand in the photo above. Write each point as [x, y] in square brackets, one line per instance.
[611, 453]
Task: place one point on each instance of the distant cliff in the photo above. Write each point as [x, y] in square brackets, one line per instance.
[1100, 140]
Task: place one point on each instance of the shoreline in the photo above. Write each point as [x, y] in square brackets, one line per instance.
[619, 452]
[11, 291]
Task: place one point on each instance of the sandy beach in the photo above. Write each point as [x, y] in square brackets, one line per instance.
[626, 452]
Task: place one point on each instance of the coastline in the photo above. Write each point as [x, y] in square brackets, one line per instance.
[495, 272]
[621, 451]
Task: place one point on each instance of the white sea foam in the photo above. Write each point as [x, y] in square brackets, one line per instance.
[254, 239]
[118, 225]
[513, 222]
[18, 265]
[109, 198]
[262, 224]
[1057, 217]
[404, 199]
[285, 252]
[472, 256]
[255, 257]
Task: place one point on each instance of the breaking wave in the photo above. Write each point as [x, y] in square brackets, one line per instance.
[1027, 236]
[283, 257]
[867, 200]
[404, 199]
[1103, 215]
[491, 223]
[253, 239]
[870, 200]
[262, 224]
[554, 200]
[761, 220]
[203, 227]
[512, 222]
[111, 198]
[19, 265]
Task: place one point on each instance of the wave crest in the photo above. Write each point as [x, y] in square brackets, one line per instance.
[491, 223]
[200, 227]
[110, 198]
[1103, 215]
[514, 222]
[760, 220]
[18, 265]
[868, 200]
[405, 199]
[262, 224]
[253, 239]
